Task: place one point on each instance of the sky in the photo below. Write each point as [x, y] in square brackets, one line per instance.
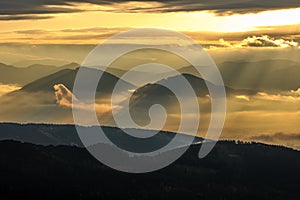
[58, 32]
[62, 31]
[91, 21]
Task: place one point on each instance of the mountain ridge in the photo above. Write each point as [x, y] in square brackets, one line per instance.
[67, 78]
[21, 76]
[51, 134]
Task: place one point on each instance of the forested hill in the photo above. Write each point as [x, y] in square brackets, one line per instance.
[231, 171]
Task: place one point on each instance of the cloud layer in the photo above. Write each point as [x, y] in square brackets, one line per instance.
[292, 96]
[222, 7]
[289, 139]
[14, 10]
[255, 117]
[63, 95]
[262, 41]
[4, 88]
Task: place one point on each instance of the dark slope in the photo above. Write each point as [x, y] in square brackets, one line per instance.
[46, 84]
[197, 83]
[230, 171]
[45, 134]
[144, 97]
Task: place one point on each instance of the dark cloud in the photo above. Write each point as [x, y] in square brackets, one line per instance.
[30, 32]
[225, 7]
[22, 17]
[25, 7]
[96, 30]
[219, 7]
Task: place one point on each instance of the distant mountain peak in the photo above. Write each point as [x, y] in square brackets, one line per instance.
[67, 78]
[72, 65]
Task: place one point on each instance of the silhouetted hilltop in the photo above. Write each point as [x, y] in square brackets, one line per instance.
[67, 78]
[46, 134]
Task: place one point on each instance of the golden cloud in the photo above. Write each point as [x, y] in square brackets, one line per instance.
[7, 88]
[261, 41]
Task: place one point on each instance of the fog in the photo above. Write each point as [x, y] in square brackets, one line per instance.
[248, 117]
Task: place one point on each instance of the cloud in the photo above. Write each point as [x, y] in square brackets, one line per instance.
[225, 43]
[4, 89]
[276, 136]
[32, 107]
[296, 92]
[290, 96]
[31, 32]
[288, 139]
[286, 35]
[65, 98]
[243, 97]
[262, 41]
[246, 120]
[29, 7]
[63, 95]
[225, 7]
[219, 7]
[284, 96]
[22, 17]
[266, 41]
[92, 35]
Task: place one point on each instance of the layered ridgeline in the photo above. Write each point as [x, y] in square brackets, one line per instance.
[260, 75]
[49, 98]
[67, 77]
[46, 134]
[22, 76]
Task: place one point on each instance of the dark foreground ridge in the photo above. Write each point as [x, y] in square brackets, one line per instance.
[231, 171]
